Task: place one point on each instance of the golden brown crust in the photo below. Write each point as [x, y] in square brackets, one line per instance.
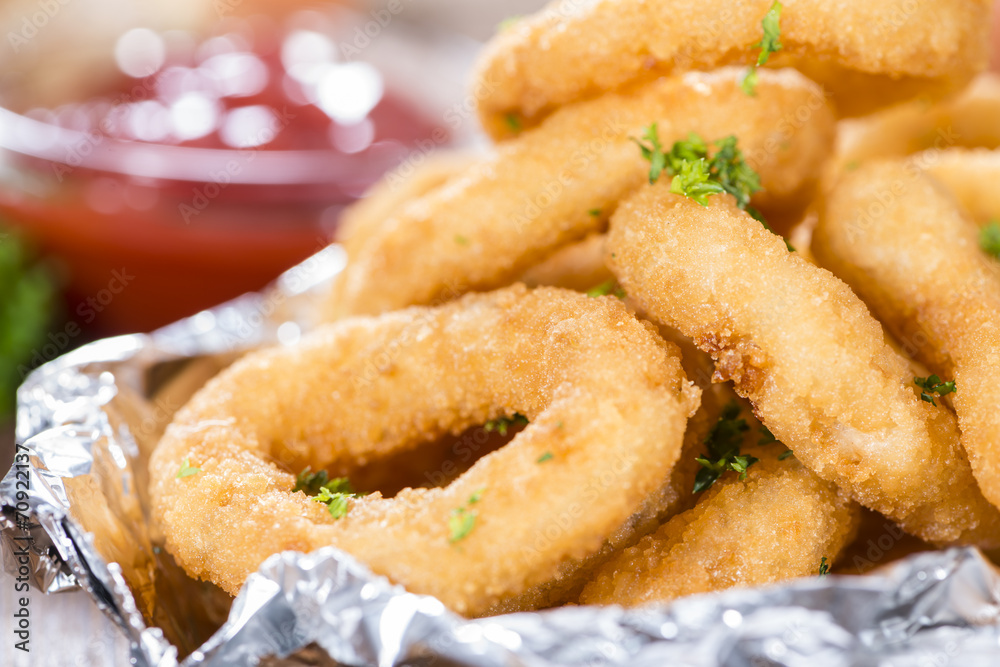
[897, 237]
[536, 195]
[777, 524]
[867, 53]
[807, 353]
[605, 396]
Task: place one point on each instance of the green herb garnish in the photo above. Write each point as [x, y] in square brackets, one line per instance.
[513, 123]
[769, 43]
[698, 175]
[989, 238]
[501, 424]
[186, 469]
[547, 456]
[606, 288]
[462, 519]
[594, 212]
[335, 494]
[785, 454]
[933, 388]
[461, 240]
[27, 301]
[824, 567]
[723, 444]
[509, 22]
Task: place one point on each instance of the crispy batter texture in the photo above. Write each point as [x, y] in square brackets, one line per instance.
[901, 241]
[394, 192]
[806, 352]
[535, 195]
[605, 396]
[777, 524]
[579, 267]
[970, 120]
[867, 53]
[972, 176]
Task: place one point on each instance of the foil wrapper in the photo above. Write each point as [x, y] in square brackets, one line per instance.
[74, 506]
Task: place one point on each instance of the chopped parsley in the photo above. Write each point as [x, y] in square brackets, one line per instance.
[606, 288]
[786, 454]
[594, 212]
[769, 43]
[933, 388]
[989, 238]
[463, 519]
[698, 175]
[186, 469]
[824, 567]
[334, 493]
[766, 437]
[547, 456]
[461, 240]
[513, 123]
[723, 444]
[501, 424]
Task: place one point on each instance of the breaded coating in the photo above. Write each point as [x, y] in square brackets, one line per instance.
[971, 175]
[606, 399]
[539, 192]
[901, 241]
[777, 524]
[579, 267]
[868, 54]
[395, 191]
[807, 353]
[969, 120]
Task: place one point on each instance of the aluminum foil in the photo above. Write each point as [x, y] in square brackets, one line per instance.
[75, 502]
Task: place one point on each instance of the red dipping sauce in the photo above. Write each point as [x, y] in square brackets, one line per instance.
[228, 162]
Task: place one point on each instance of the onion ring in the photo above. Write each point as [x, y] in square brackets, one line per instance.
[867, 53]
[559, 183]
[898, 238]
[778, 524]
[606, 397]
[806, 352]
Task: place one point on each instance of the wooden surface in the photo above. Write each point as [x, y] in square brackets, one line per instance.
[66, 630]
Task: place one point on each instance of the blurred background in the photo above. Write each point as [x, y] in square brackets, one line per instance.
[161, 157]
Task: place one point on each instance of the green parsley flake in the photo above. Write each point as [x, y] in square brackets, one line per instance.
[509, 23]
[186, 470]
[462, 519]
[786, 454]
[769, 43]
[766, 437]
[824, 567]
[547, 456]
[611, 287]
[934, 388]
[335, 495]
[698, 175]
[989, 238]
[461, 240]
[594, 212]
[501, 424]
[513, 123]
[723, 444]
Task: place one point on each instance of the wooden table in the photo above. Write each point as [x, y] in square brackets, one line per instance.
[66, 630]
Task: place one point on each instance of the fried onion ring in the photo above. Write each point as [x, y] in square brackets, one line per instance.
[868, 54]
[898, 238]
[557, 184]
[606, 398]
[777, 524]
[806, 352]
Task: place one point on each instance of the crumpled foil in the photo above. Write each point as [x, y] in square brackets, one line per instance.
[76, 499]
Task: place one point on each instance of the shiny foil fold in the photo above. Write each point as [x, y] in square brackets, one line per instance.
[89, 420]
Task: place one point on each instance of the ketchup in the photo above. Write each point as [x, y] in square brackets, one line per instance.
[205, 169]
